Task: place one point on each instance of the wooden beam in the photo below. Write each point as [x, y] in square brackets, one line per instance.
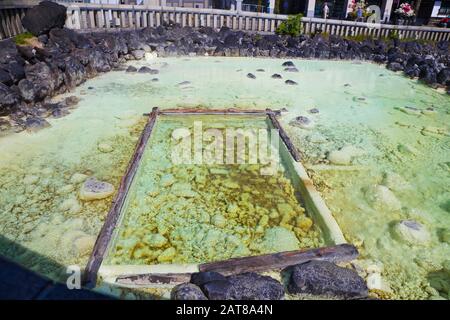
[287, 141]
[103, 239]
[154, 278]
[339, 253]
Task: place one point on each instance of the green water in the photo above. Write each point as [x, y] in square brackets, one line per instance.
[191, 213]
[384, 140]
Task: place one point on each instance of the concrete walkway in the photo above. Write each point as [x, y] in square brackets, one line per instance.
[17, 283]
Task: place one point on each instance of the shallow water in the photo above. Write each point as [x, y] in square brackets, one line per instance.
[191, 213]
[357, 106]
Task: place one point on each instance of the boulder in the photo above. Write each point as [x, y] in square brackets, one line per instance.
[251, 76]
[443, 77]
[277, 76]
[218, 290]
[411, 232]
[252, 286]
[201, 278]
[291, 82]
[8, 100]
[131, 69]
[8, 51]
[93, 189]
[45, 16]
[395, 66]
[187, 291]
[326, 279]
[382, 198]
[302, 122]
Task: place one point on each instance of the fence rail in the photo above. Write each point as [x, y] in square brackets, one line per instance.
[89, 16]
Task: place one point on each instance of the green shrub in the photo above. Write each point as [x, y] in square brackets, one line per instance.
[20, 39]
[393, 35]
[292, 26]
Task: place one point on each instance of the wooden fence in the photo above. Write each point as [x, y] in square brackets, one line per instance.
[87, 16]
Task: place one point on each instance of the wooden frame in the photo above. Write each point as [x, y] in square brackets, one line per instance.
[340, 252]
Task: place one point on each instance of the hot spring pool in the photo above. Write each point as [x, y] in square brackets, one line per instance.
[374, 161]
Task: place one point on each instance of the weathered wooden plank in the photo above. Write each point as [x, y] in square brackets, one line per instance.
[340, 253]
[103, 239]
[219, 111]
[287, 141]
[154, 278]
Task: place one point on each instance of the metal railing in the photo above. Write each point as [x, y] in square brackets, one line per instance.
[89, 16]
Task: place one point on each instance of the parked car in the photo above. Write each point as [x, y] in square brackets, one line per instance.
[444, 22]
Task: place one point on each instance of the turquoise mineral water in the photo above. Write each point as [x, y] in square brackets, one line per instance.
[378, 150]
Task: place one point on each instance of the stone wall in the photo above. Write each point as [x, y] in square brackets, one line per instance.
[63, 59]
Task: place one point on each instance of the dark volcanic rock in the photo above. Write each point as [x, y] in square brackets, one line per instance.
[218, 290]
[201, 278]
[34, 124]
[8, 99]
[288, 64]
[291, 69]
[276, 76]
[252, 286]
[187, 291]
[43, 17]
[251, 76]
[395, 66]
[8, 50]
[325, 278]
[291, 82]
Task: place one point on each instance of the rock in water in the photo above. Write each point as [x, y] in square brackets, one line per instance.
[291, 69]
[218, 290]
[92, 189]
[381, 197]
[326, 279]
[290, 82]
[251, 76]
[187, 291]
[252, 286]
[411, 232]
[276, 76]
[45, 16]
[288, 64]
[131, 69]
[302, 122]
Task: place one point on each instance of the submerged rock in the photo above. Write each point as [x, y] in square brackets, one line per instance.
[251, 76]
[381, 197]
[344, 155]
[313, 111]
[93, 189]
[45, 16]
[291, 82]
[187, 291]
[326, 279]
[105, 148]
[277, 239]
[411, 232]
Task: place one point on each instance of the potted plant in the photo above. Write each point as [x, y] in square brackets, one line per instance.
[357, 10]
[404, 14]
